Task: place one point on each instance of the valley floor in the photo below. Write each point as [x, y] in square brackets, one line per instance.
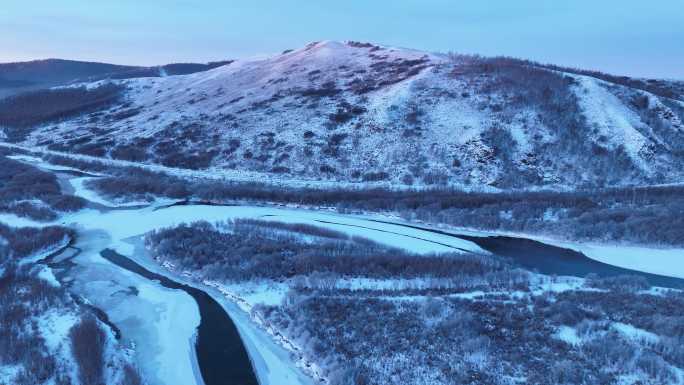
[160, 323]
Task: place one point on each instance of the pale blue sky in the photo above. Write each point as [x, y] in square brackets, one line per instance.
[639, 38]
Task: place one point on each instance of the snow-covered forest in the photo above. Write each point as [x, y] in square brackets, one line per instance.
[463, 318]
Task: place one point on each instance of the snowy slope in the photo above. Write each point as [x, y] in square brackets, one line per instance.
[361, 113]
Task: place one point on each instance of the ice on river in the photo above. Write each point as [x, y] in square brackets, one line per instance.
[122, 224]
[666, 261]
[160, 323]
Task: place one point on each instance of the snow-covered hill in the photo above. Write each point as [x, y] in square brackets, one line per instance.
[360, 113]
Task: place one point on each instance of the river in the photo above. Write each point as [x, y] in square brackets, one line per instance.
[549, 259]
[221, 355]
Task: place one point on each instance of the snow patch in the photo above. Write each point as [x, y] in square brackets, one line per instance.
[568, 334]
[13, 220]
[8, 373]
[48, 275]
[611, 118]
[81, 190]
[54, 327]
[42, 164]
[635, 333]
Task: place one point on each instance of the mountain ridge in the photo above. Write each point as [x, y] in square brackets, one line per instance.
[17, 77]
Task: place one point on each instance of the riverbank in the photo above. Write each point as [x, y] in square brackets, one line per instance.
[219, 350]
[271, 362]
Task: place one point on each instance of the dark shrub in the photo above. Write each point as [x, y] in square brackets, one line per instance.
[267, 249]
[375, 176]
[131, 376]
[22, 242]
[129, 152]
[337, 139]
[21, 184]
[124, 113]
[88, 344]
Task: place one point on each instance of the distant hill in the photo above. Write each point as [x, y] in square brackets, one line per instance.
[24, 76]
